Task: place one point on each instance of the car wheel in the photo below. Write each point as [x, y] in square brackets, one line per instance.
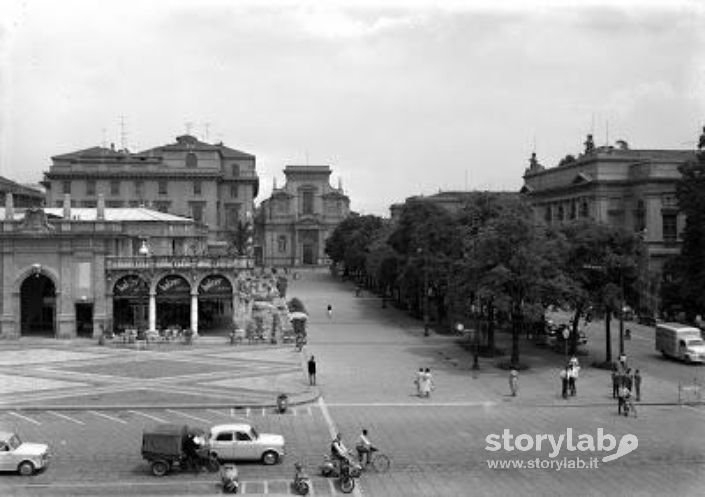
[160, 468]
[26, 468]
[347, 484]
[270, 457]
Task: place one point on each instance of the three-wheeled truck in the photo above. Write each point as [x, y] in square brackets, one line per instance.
[167, 447]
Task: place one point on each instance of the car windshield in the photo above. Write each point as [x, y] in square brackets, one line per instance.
[14, 442]
[695, 342]
[253, 434]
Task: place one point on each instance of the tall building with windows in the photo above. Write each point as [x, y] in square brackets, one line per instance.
[295, 221]
[631, 188]
[210, 183]
[23, 196]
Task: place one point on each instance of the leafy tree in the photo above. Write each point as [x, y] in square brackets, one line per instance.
[349, 243]
[599, 263]
[515, 264]
[684, 278]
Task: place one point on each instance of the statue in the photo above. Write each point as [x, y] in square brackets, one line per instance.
[589, 145]
[701, 142]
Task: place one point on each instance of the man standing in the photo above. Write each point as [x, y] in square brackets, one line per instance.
[615, 382]
[312, 371]
[637, 385]
[564, 382]
[330, 311]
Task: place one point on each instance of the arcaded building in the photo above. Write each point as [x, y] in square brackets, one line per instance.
[210, 183]
[293, 224]
[631, 188]
[72, 272]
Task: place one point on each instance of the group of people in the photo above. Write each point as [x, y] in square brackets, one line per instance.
[569, 378]
[624, 382]
[424, 382]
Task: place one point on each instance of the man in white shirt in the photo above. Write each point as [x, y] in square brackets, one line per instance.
[364, 448]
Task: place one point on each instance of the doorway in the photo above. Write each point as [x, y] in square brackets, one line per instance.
[84, 320]
[37, 306]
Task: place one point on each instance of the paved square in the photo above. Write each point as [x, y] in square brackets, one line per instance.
[22, 384]
[41, 356]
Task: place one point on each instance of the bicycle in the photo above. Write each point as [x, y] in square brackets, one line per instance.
[379, 461]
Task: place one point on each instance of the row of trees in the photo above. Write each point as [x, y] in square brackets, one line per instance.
[492, 261]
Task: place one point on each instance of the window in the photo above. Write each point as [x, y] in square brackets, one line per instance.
[235, 170]
[67, 186]
[88, 203]
[163, 187]
[233, 191]
[243, 437]
[115, 187]
[134, 203]
[232, 215]
[197, 212]
[308, 203]
[191, 160]
[197, 187]
[561, 214]
[281, 243]
[573, 209]
[90, 187]
[224, 437]
[640, 216]
[584, 209]
[139, 188]
[113, 204]
[547, 214]
[670, 227]
[162, 206]
[282, 206]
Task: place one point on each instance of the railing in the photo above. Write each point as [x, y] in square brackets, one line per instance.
[178, 262]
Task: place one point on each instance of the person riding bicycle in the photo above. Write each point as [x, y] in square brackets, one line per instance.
[364, 448]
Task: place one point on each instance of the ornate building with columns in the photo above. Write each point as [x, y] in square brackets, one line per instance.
[293, 224]
[73, 272]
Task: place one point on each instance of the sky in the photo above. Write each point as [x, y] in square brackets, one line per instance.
[399, 98]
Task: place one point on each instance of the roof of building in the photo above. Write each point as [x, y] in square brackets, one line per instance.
[7, 185]
[91, 153]
[111, 214]
[191, 143]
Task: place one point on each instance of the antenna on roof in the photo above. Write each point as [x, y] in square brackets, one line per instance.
[592, 124]
[466, 180]
[104, 141]
[123, 133]
[306, 152]
[188, 125]
[607, 132]
[206, 127]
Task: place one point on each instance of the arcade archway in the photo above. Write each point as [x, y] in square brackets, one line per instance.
[215, 305]
[173, 300]
[130, 303]
[38, 306]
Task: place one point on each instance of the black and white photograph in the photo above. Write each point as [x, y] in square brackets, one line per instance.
[391, 248]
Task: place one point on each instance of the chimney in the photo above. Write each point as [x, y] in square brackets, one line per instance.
[100, 212]
[67, 206]
[9, 207]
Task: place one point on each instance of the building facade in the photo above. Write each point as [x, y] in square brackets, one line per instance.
[73, 272]
[294, 223]
[210, 183]
[634, 189]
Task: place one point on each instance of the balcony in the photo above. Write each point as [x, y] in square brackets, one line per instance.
[161, 262]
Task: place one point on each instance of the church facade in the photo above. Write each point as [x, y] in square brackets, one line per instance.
[293, 224]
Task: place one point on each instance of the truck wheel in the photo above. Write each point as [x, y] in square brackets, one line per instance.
[160, 468]
[270, 457]
[26, 468]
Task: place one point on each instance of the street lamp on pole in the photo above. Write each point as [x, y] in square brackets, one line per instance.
[425, 290]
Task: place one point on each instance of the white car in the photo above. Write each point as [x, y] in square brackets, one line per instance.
[25, 458]
[240, 441]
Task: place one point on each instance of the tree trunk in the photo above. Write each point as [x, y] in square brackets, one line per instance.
[574, 333]
[608, 337]
[490, 329]
[516, 330]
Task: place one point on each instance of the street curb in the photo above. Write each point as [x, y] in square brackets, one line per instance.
[114, 407]
[612, 404]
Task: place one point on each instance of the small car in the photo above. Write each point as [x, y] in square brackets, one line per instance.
[23, 457]
[241, 441]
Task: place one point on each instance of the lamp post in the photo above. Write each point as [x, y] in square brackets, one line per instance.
[476, 337]
[621, 311]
